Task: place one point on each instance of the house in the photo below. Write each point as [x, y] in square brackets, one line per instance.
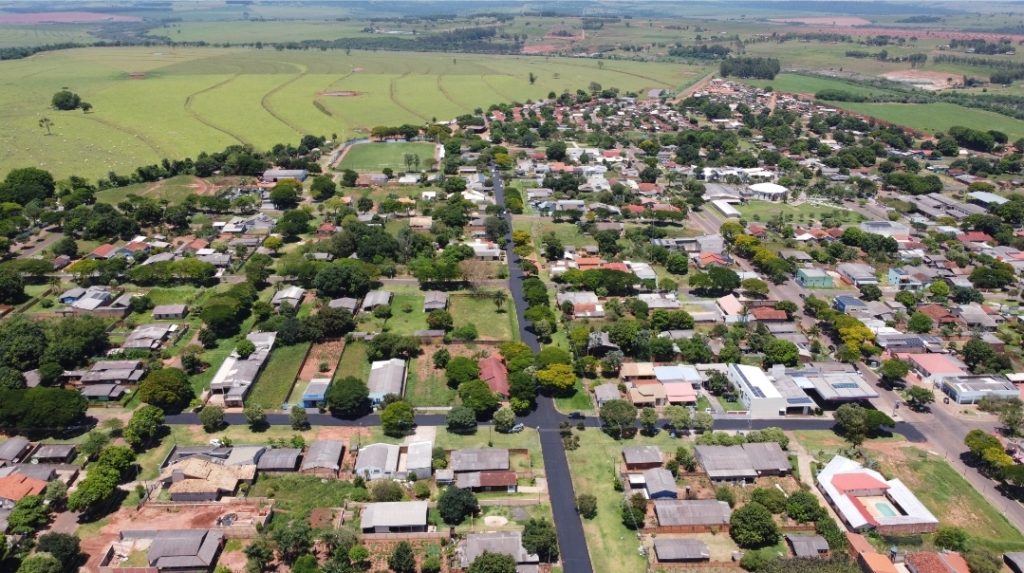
[648, 395]
[969, 389]
[54, 454]
[847, 304]
[768, 314]
[501, 542]
[504, 481]
[756, 392]
[691, 515]
[495, 374]
[936, 562]
[149, 336]
[196, 478]
[767, 191]
[323, 458]
[14, 450]
[376, 298]
[641, 457]
[599, 344]
[279, 460]
[184, 550]
[638, 373]
[378, 461]
[315, 394]
[479, 459]
[659, 301]
[394, 517]
[349, 304]
[743, 462]
[277, 175]
[417, 458]
[291, 296]
[104, 252]
[865, 500]
[585, 304]
[170, 311]
[813, 278]
[605, 393]
[934, 367]
[807, 545]
[904, 279]
[669, 550]
[14, 487]
[103, 392]
[939, 314]
[386, 377]
[434, 300]
[236, 375]
[885, 228]
[857, 274]
[110, 372]
[660, 484]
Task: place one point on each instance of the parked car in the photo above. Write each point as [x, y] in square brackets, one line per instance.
[576, 416]
[517, 428]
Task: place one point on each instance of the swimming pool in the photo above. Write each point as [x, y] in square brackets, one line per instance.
[885, 509]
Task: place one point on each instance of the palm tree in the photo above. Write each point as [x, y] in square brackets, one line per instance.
[46, 123]
[499, 297]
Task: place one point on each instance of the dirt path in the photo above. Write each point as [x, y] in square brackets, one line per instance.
[694, 87]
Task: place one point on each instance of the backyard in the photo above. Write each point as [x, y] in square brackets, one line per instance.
[354, 362]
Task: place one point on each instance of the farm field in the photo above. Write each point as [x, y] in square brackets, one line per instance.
[797, 83]
[173, 190]
[18, 36]
[377, 156]
[168, 102]
[933, 117]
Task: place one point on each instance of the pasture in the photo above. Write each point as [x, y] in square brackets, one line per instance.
[377, 156]
[166, 102]
[933, 117]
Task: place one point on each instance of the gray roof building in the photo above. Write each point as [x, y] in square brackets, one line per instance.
[169, 311]
[60, 453]
[502, 542]
[681, 549]
[349, 304]
[149, 336]
[386, 377]
[660, 483]
[291, 295]
[744, 462]
[691, 512]
[419, 459]
[323, 454]
[376, 298]
[435, 300]
[378, 461]
[188, 549]
[807, 545]
[279, 460]
[394, 516]
[641, 455]
[14, 449]
[606, 393]
[479, 459]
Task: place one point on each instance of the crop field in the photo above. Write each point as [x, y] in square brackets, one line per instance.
[239, 32]
[13, 36]
[796, 83]
[164, 102]
[377, 156]
[932, 117]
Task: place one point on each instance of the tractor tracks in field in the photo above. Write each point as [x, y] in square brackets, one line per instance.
[392, 92]
[196, 116]
[152, 145]
[265, 100]
[319, 105]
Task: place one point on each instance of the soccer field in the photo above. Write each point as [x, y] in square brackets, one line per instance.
[163, 102]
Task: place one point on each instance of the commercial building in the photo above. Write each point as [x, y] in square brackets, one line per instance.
[757, 393]
[972, 388]
[813, 278]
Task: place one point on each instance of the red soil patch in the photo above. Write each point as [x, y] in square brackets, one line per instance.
[540, 49]
[329, 352]
[826, 21]
[925, 79]
[64, 18]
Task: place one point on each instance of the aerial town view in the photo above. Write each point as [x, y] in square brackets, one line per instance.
[411, 286]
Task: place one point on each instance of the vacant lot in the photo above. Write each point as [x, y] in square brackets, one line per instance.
[481, 311]
[353, 362]
[275, 382]
[804, 213]
[796, 83]
[298, 494]
[407, 314]
[376, 156]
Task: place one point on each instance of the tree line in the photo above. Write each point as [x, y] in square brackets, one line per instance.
[747, 67]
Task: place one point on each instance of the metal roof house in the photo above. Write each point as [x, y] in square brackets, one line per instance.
[349, 304]
[435, 300]
[323, 458]
[394, 517]
[236, 375]
[376, 298]
[502, 542]
[479, 459]
[315, 394]
[276, 175]
[378, 461]
[279, 460]
[291, 295]
[14, 449]
[681, 550]
[187, 550]
[169, 311]
[386, 377]
[807, 545]
[660, 484]
[743, 462]
[697, 514]
[641, 457]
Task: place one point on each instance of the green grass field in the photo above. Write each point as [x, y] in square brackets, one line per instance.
[353, 362]
[19, 36]
[430, 391]
[932, 117]
[480, 310]
[156, 102]
[377, 156]
[578, 401]
[402, 322]
[805, 212]
[274, 384]
[173, 190]
[797, 83]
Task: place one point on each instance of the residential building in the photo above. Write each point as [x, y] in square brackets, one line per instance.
[807, 546]
[743, 462]
[394, 517]
[54, 454]
[434, 300]
[857, 274]
[378, 461]
[386, 377]
[376, 298]
[669, 550]
[502, 542]
[641, 457]
[865, 500]
[149, 336]
[504, 481]
[14, 450]
[315, 394]
[479, 459]
[757, 393]
[934, 367]
[279, 460]
[14, 487]
[323, 458]
[494, 373]
[291, 296]
[605, 393]
[196, 479]
[185, 550]
[236, 375]
[813, 278]
[848, 304]
[660, 484]
[170, 311]
[691, 515]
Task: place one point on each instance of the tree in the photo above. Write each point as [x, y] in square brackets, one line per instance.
[305, 564]
[556, 151]
[541, 539]
[461, 420]
[617, 416]
[918, 397]
[12, 287]
[870, 292]
[770, 497]
[402, 559]
[752, 526]
[557, 378]
[41, 563]
[906, 298]
[167, 388]
[255, 416]
[677, 264]
[440, 320]
[586, 505]
[342, 279]
[488, 562]
[212, 418]
[386, 490]
[461, 369]
[397, 418]
[145, 425]
[478, 396]
[245, 348]
[703, 422]
[455, 505]
[894, 369]
[323, 187]
[286, 194]
[634, 512]
[94, 443]
[803, 507]
[504, 419]
[781, 351]
[920, 323]
[648, 420]
[28, 516]
[11, 379]
[754, 287]
[66, 548]
[951, 537]
[348, 397]
[65, 100]
[298, 419]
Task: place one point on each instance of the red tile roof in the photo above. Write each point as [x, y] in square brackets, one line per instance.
[621, 267]
[975, 237]
[497, 479]
[104, 250]
[16, 486]
[931, 562]
[768, 313]
[585, 263]
[494, 373]
[857, 481]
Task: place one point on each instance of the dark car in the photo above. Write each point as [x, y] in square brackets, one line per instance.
[576, 416]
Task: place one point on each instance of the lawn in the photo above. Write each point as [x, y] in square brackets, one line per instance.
[805, 212]
[932, 117]
[730, 405]
[274, 384]
[298, 495]
[431, 391]
[578, 401]
[613, 548]
[376, 156]
[173, 190]
[354, 362]
[402, 322]
[482, 312]
[952, 499]
[484, 436]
